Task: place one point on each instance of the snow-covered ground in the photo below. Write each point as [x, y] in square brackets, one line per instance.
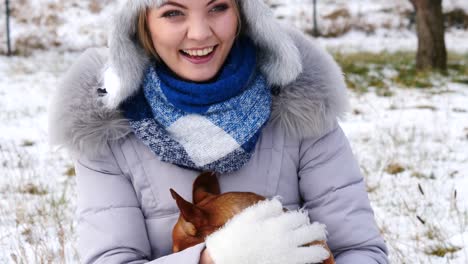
[383, 41]
[412, 146]
[37, 198]
[423, 133]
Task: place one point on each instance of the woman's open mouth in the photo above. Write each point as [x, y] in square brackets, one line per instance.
[199, 56]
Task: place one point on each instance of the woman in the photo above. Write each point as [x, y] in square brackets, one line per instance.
[188, 86]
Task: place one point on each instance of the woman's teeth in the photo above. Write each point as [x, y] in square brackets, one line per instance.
[203, 52]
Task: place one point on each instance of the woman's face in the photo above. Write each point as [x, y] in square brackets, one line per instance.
[194, 37]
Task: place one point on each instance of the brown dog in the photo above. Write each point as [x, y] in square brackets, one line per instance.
[210, 211]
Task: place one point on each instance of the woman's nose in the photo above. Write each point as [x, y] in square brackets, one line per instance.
[199, 29]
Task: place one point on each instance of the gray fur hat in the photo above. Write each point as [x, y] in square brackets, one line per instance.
[123, 74]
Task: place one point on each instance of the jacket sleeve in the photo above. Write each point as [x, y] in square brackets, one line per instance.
[334, 194]
[111, 225]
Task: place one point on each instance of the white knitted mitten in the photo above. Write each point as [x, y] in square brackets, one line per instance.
[264, 233]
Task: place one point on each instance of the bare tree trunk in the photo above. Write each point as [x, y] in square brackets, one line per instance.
[432, 53]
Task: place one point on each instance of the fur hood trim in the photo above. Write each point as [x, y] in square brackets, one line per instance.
[306, 107]
[311, 104]
[78, 120]
[278, 56]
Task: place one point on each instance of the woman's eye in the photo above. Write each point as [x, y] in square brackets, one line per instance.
[220, 8]
[172, 13]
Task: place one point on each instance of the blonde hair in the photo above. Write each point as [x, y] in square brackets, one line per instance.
[144, 34]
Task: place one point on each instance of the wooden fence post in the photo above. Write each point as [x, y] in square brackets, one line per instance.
[316, 31]
[7, 12]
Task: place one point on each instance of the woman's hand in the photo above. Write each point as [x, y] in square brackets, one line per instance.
[205, 257]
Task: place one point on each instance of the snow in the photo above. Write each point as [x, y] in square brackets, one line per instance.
[425, 131]
[28, 219]
[384, 41]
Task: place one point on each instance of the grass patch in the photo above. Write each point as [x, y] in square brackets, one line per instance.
[426, 107]
[458, 67]
[33, 189]
[70, 172]
[28, 143]
[441, 251]
[394, 168]
[367, 71]
[421, 175]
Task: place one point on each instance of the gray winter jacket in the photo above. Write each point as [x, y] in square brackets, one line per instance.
[126, 212]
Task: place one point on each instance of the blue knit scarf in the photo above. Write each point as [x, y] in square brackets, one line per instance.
[203, 126]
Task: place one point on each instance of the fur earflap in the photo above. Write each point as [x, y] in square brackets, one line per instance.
[128, 60]
[279, 57]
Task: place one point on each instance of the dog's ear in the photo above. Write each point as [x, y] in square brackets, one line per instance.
[190, 213]
[206, 184]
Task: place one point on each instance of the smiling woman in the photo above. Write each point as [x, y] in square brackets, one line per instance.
[193, 38]
[182, 90]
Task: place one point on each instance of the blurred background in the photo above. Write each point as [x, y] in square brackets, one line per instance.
[408, 122]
